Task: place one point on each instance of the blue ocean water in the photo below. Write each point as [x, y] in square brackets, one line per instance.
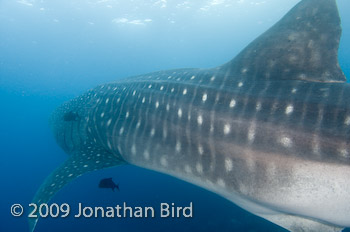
[51, 51]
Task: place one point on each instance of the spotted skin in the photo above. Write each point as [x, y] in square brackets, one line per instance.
[277, 147]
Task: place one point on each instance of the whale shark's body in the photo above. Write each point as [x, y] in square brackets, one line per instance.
[269, 130]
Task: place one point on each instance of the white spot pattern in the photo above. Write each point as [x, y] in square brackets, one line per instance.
[200, 150]
[232, 103]
[204, 97]
[199, 168]
[221, 182]
[153, 131]
[109, 122]
[347, 121]
[179, 113]
[178, 146]
[289, 109]
[286, 142]
[227, 129]
[200, 120]
[228, 164]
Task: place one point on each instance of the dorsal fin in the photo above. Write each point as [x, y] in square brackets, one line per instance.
[303, 45]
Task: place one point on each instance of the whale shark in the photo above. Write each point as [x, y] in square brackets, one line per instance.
[268, 130]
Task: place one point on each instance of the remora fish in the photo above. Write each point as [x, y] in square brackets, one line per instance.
[269, 130]
[108, 183]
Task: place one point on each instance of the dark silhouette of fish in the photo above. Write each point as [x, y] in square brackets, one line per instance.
[71, 116]
[108, 183]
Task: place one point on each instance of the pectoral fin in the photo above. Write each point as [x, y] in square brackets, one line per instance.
[90, 159]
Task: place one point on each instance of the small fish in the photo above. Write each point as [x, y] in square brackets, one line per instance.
[71, 116]
[108, 183]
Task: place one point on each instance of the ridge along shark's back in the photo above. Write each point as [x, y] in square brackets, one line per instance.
[269, 125]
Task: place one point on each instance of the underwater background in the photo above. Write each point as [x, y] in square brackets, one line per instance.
[52, 51]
